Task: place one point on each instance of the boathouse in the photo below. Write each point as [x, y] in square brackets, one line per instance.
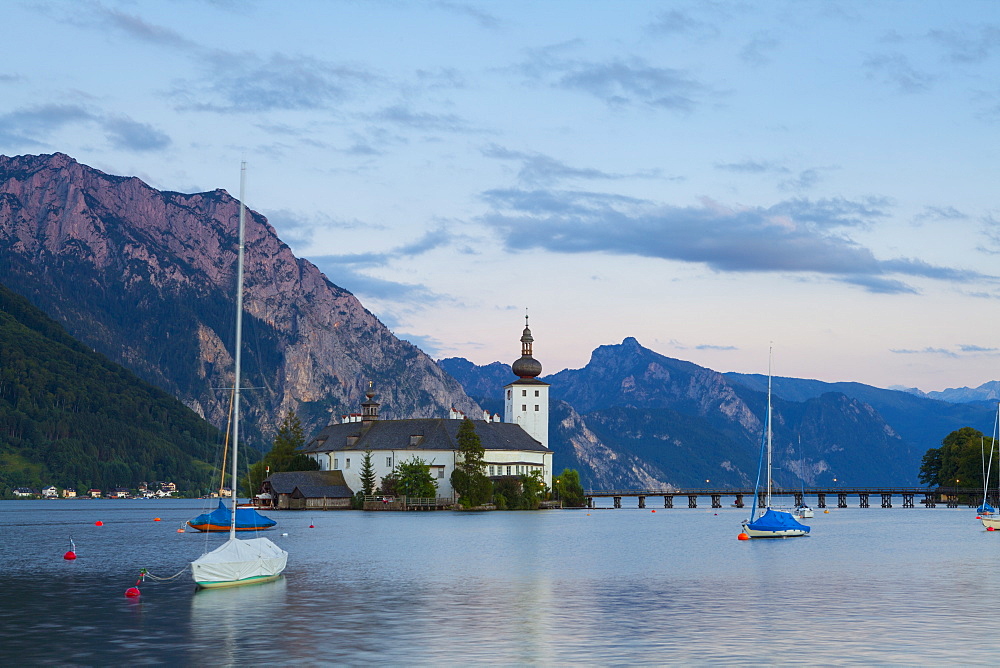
[306, 490]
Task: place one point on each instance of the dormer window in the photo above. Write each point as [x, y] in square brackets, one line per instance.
[415, 440]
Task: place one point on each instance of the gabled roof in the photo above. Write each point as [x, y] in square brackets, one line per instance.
[330, 484]
[322, 491]
[434, 433]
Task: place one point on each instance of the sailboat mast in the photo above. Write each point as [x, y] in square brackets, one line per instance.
[239, 346]
[770, 355]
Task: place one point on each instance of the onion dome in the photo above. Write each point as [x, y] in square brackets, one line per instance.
[527, 366]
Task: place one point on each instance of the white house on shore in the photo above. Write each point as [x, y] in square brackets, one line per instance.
[516, 446]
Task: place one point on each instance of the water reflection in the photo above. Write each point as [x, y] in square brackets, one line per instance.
[235, 622]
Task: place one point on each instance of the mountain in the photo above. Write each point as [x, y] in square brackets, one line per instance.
[671, 422]
[987, 392]
[147, 278]
[72, 418]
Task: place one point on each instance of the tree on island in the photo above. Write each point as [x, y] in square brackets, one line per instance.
[367, 474]
[469, 477]
[411, 478]
[567, 488]
[284, 455]
[959, 460]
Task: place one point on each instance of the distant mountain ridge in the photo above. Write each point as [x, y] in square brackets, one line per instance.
[988, 391]
[147, 278]
[671, 422]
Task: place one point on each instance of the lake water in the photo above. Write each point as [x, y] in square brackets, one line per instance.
[593, 587]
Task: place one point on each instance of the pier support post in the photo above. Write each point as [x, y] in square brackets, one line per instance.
[952, 500]
[929, 500]
[798, 498]
[886, 500]
[642, 501]
[618, 502]
[821, 500]
[590, 502]
[907, 499]
[668, 501]
[692, 500]
[739, 501]
[864, 499]
[716, 500]
[841, 500]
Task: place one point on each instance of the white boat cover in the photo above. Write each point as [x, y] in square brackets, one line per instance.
[237, 560]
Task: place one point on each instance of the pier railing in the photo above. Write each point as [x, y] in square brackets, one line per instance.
[950, 497]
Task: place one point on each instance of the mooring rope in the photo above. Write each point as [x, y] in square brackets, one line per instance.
[146, 573]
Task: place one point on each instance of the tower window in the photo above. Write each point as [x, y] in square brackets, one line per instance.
[524, 407]
[348, 464]
[508, 394]
[536, 393]
[524, 393]
[536, 407]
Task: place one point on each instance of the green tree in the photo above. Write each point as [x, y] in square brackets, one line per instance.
[469, 477]
[533, 490]
[568, 489]
[367, 474]
[415, 479]
[284, 455]
[958, 462]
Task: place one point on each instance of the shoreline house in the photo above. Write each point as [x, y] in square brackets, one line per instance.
[516, 446]
[305, 490]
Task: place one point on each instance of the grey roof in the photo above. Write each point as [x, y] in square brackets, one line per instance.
[330, 484]
[436, 433]
[323, 491]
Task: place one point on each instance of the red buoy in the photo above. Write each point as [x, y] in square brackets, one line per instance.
[653, 511]
[156, 519]
[990, 529]
[70, 556]
[132, 592]
[743, 536]
[98, 523]
[311, 526]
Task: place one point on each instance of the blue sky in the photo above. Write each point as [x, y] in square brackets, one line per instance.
[708, 177]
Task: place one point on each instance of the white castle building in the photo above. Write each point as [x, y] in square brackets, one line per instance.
[516, 446]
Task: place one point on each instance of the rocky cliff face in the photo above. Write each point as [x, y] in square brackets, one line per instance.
[148, 279]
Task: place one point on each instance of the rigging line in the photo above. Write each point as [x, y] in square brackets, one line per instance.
[225, 447]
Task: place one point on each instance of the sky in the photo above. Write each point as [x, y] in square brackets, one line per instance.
[711, 178]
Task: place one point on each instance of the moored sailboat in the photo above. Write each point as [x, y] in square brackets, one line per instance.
[771, 523]
[239, 561]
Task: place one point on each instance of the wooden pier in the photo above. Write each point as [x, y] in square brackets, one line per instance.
[949, 497]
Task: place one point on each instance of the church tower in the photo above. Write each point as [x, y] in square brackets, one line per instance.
[526, 400]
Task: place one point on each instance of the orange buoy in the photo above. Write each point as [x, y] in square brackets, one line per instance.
[70, 556]
[132, 592]
[98, 523]
[743, 536]
[156, 519]
[180, 530]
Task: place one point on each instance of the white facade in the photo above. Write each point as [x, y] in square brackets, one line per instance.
[527, 404]
[442, 464]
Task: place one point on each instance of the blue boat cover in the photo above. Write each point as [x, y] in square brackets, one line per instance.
[246, 518]
[776, 520]
[986, 508]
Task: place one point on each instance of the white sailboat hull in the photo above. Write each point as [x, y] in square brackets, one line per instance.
[239, 562]
[803, 513]
[990, 521]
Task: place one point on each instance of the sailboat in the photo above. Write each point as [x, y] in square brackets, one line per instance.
[987, 513]
[239, 561]
[771, 523]
[247, 519]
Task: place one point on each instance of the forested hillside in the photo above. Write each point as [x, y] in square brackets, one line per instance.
[71, 418]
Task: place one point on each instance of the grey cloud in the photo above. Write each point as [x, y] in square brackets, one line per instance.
[618, 82]
[473, 11]
[401, 115]
[967, 46]
[895, 69]
[971, 348]
[135, 27]
[793, 236]
[757, 50]
[124, 133]
[539, 169]
[32, 126]
[806, 179]
[341, 272]
[249, 83]
[752, 167]
[941, 213]
[925, 351]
